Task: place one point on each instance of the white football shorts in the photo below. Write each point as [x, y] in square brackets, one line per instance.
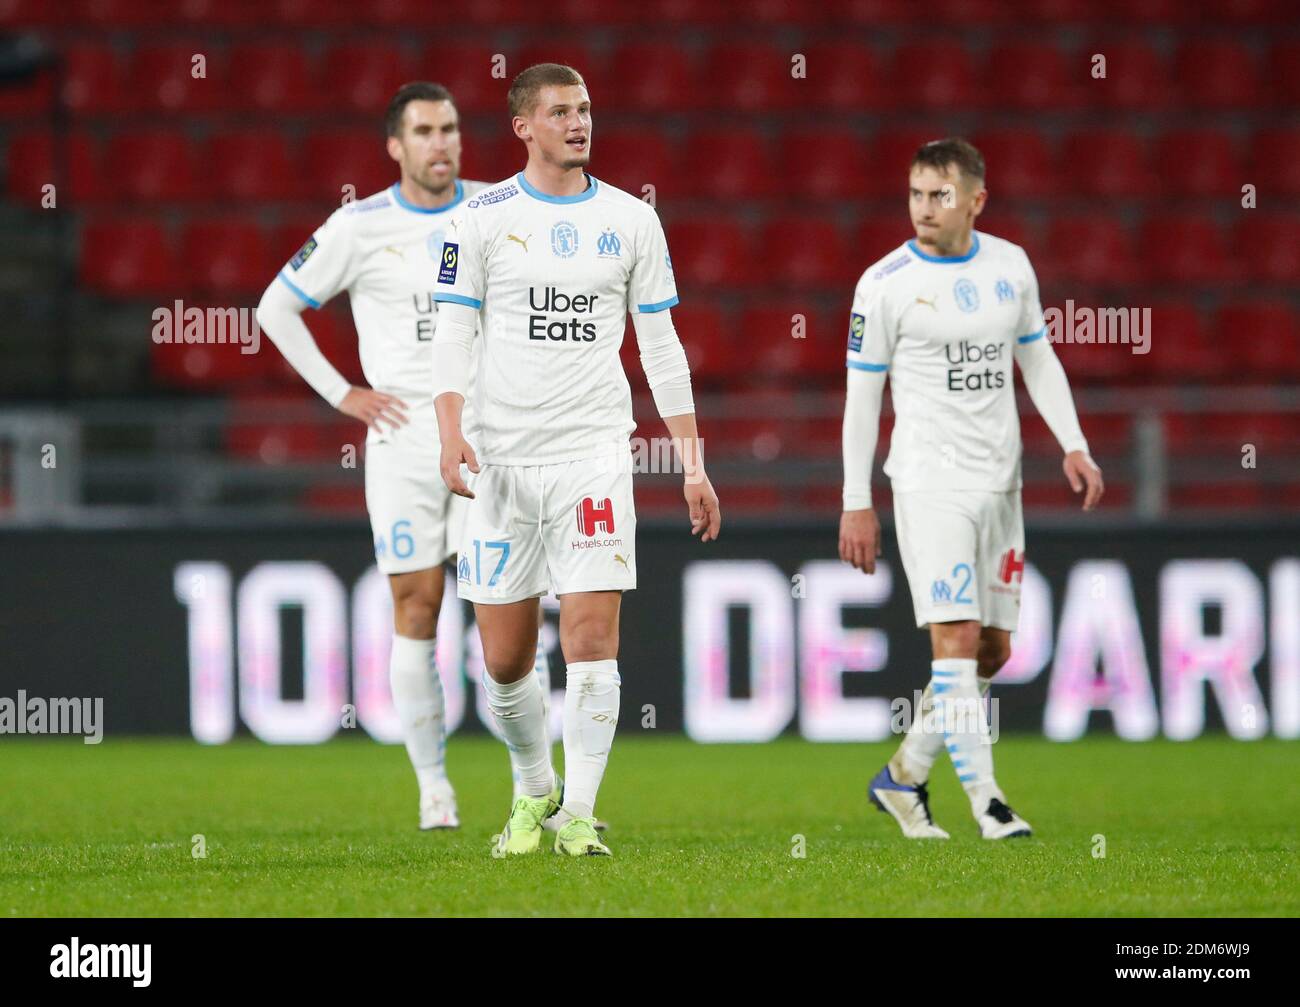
[533, 529]
[415, 520]
[964, 555]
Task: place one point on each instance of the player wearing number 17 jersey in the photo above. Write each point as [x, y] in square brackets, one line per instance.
[544, 268]
[943, 317]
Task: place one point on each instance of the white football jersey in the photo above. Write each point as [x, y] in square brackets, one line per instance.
[383, 251]
[946, 330]
[553, 279]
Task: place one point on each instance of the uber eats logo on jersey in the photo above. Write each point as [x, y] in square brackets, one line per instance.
[972, 379]
[554, 302]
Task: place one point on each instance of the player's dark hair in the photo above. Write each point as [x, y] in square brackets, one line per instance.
[525, 88]
[416, 90]
[942, 154]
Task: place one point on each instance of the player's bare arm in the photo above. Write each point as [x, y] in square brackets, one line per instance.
[702, 501]
[455, 448]
[1084, 476]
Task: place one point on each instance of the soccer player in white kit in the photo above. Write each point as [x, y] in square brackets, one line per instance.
[381, 250]
[943, 316]
[545, 267]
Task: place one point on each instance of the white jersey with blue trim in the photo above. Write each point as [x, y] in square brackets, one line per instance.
[947, 330]
[383, 251]
[553, 279]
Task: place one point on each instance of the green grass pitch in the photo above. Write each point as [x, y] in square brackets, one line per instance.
[1201, 828]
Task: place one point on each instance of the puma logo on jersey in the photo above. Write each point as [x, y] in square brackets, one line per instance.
[395, 250]
[930, 303]
[621, 559]
[522, 241]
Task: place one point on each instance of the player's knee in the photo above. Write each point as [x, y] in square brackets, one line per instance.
[992, 656]
[589, 640]
[415, 615]
[508, 661]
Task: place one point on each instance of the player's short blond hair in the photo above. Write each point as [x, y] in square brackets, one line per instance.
[528, 85]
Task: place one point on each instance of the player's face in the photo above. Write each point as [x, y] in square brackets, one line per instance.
[560, 125]
[428, 147]
[943, 206]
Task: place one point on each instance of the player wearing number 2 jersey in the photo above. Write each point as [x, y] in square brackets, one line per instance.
[944, 316]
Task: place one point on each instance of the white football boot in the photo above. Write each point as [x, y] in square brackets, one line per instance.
[438, 808]
[998, 821]
[909, 806]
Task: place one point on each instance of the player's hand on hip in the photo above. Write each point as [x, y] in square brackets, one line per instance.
[860, 538]
[706, 515]
[1083, 474]
[370, 406]
[456, 450]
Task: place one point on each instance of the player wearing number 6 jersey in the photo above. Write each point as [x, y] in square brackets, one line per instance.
[380, 250]
[544, 268]
[943, 316]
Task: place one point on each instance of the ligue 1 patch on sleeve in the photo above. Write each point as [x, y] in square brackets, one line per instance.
[304, 253]
[857, 324]
[450, 259]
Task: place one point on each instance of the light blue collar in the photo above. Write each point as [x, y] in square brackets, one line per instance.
[537, 193]
[974, 250]
[406, 204]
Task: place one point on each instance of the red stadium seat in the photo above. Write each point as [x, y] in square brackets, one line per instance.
[30, 163]
[1276, 161]
[252, 165]
[1217, 74]
[124, 257]
[347, 157]
[1264, 338]
[207, 366]
[1089, 250]
[1283, 74]
[1181, 350]
[827, 163]
[95, 82]
[936, 74]
[489, 155]
[777, 356]
[655, 77]
[1034, 76]
[570, 49]
[847, 77]
[1111, 163]
[1269, 246]
[227, 257]
[162, 77]
[315, 13]
[1087, 362]
[1137, 77]
[153, 166]
[702, 327]
[804, 253]
[1004, 224]
[1018, 163]
[1186, 249]
[1150, 12]
[878, 236]
[728, 163]
[1199, 162]
[751, 77]
[363, 76]
[710, 252]
[630, 157]
[30, 98]
[870, 13]
[465, 70]
[116, 13]
[273, 77]
[891, 152]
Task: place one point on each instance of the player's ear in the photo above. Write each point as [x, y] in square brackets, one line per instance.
[522, 130]
[395, 149]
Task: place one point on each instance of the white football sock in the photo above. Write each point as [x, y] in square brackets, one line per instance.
[958, 700]
[590, 716]
[542, 668]
[923, 741]
[417, 699]
[520, 714]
